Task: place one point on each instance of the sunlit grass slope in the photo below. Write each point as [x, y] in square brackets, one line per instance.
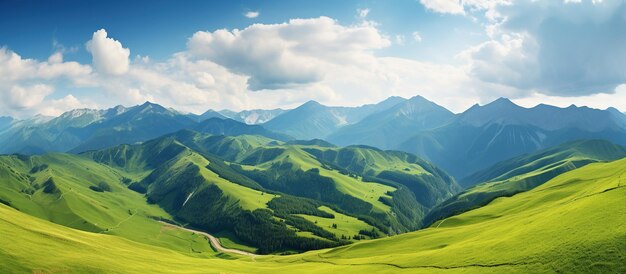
[573, 223]
[66, 189]
[32, 245]
[525, 172]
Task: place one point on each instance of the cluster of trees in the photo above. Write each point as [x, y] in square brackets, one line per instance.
[101, 187]
[50, 186]
[284, 177]
[38, 168]
[287, 204]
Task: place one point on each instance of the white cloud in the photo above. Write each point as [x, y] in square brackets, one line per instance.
[463, 7]
[362, 13]
[252, 14]
[25, 83]
[14, 68]
[290, 54]
[56, 58]
[552, 48]
[56, 107]
[27, 96]
[509, 61]
[444, 6]
[417, 37]
[109, 56]
[617, 99]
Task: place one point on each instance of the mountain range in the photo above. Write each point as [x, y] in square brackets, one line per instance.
[87, 129]
[485, 135]
[461, 143]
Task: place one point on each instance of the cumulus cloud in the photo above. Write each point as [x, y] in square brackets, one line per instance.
[56, 107]
[25, 83]
[555, 49]
[28, 96]
[108, 54]
[289, 54]
[252, 14]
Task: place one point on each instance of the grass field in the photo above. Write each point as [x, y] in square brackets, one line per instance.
[573, 223]
[346, 225]
[249, 199]
[120, 211]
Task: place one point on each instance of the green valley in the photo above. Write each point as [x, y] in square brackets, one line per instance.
[523, 233]
[257, 193]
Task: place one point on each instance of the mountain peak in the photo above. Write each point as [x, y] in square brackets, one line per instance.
[393, 100]
[418, 98]
[75, 113]
[502, 101]
[311, 104]
[152, 106]
[148, 103]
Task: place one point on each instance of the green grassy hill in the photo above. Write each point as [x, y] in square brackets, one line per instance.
[79, 193]
[570, 224]
[368, 174]
[523, 173]
[257, 192]
[279, 197]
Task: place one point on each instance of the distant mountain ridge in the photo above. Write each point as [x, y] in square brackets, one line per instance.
[254, 116]
[386, 128]
[484, 135]
[459, 143]
[88, 129]
[313, 120]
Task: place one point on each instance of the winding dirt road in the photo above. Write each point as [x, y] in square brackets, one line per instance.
[215, 242]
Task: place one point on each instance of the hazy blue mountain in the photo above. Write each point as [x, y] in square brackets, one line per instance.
[24, 136]
[312, 142]
[254, 116]
[484, 135]
[206, 115]
[5, 122]
[87, 129]
[313, 120]
[216, 126]
[583, 152]
[387, 128]
[139, 123]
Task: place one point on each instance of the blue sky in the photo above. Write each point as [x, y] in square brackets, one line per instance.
[196, 55]
[160, 28]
